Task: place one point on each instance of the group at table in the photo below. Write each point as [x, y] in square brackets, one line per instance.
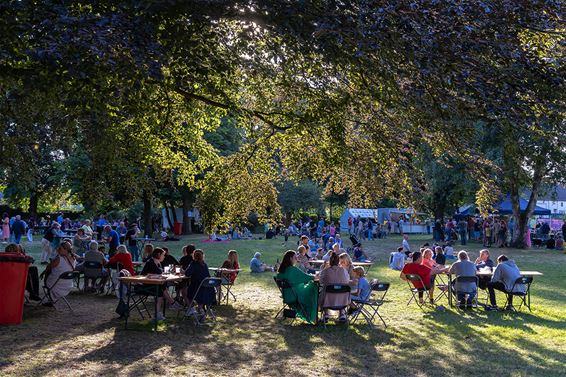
[466, 277]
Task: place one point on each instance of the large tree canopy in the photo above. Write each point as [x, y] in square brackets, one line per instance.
[338, 92]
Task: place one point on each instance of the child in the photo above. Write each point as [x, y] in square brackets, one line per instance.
[449, 250]
[440, 257]
[363, 289]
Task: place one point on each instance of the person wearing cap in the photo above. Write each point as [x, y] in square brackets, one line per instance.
[256, 265]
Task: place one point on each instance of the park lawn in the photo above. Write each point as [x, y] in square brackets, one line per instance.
[247, 340]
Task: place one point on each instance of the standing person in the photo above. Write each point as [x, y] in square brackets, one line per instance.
[113, 239]
[502, 239]
[503, 279]
[122, 230]
[100, 224]
[5, 227]
[462, 230]
[427, 225]
[19, 229]
[400, 224]
[487, 232]
[405, 244]
[370, 230]
[438, 231]
[131, 241]
[47, 242]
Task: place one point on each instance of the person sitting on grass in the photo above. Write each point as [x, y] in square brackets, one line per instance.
[256, 265]
[449, 250]
[303, 285]
[198, 271]
[503, 279]
[417, 268]
[398, 260]
[464, 289]
[334, 274]
[153, 267]
[360, 255]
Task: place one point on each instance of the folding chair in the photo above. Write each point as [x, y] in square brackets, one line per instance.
[466, 279]
[212, 283]
[69, 275]
[283, 284]
[227, 284]
[369, 308]
[525, 297]
[442, 288]
[137, 299]
[92, 272]
[415, 291]
[334, 289]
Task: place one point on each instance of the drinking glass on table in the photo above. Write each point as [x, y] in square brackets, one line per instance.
[178, 270]
[166, 269]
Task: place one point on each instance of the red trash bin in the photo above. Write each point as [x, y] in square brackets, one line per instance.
[178, 228]
[13, 277]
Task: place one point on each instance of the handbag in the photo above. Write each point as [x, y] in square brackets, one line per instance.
[122, 308]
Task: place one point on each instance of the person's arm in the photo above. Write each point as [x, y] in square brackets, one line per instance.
[496, 274]
[402, 275]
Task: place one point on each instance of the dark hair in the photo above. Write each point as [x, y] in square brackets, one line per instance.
[400, 249]
[416, 256]
[156, 253]
[334, 259]
[12, 248]
[198, 256]
[165, 249]
[190, 248]
[502, 258]
[286, 262]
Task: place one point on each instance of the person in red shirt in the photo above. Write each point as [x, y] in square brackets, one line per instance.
[124, 258]
[416, 268]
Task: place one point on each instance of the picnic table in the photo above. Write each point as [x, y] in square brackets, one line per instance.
[156, 281]
[219, 271]
[483, 273]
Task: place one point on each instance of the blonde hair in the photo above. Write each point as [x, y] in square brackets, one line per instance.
[121, 249]
[346, 257]
[360, 271]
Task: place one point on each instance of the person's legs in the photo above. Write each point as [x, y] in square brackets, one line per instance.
[17, 238]
[45, 250]
[491, 287]
[32, 284]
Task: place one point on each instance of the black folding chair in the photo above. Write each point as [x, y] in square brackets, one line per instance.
[466, 279]
[369, 308]
[287, 311]
[69, 275]
[92, 272]
[138, 297]
[228, 285]
[333, 289]
[415, 291]
[525, 297]
[208, 283]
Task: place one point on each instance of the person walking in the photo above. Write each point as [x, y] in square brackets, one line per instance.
[19, 229]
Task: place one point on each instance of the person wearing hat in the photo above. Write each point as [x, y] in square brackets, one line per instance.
[256, 265]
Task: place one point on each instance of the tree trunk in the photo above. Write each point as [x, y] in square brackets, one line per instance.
[438, 211]
[187, 228]
[147, 219]
[522, 219]
[33, 202]
[167, 214]
[174, 212]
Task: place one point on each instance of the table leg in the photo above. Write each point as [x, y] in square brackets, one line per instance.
[156, 298]
[128, 303]
[449, 290]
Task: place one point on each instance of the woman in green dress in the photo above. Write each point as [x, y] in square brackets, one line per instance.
[303, 285]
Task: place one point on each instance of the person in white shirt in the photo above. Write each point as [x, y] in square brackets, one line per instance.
[449, 251]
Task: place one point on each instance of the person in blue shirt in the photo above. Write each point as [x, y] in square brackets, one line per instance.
[113, 239]
[363, 290]
[19, 229]
[256, 265]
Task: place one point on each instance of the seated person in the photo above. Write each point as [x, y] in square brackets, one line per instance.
[346, 263]
[559, 243]
[363, 289]
[124, 259]
[303, 263]
[198, 271]
[319, 253]
[464, 289]
[256, 265]
[449, 250]
[187, 257]
[440, 258]
[91, 274]
[434, 269]
[63, 262]
[360, 255]
[231, 263]
[335, 250]
[79, 241]
[153, 266]
[165, 237]
[398, 260]
[303, 285]
[482, 262]
[334, 274]
[417, 268]
[168, 259]
[551, 243]
[147, 252]
[503, 279]
[32, 282]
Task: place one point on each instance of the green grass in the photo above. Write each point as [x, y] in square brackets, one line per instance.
[248, 341]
